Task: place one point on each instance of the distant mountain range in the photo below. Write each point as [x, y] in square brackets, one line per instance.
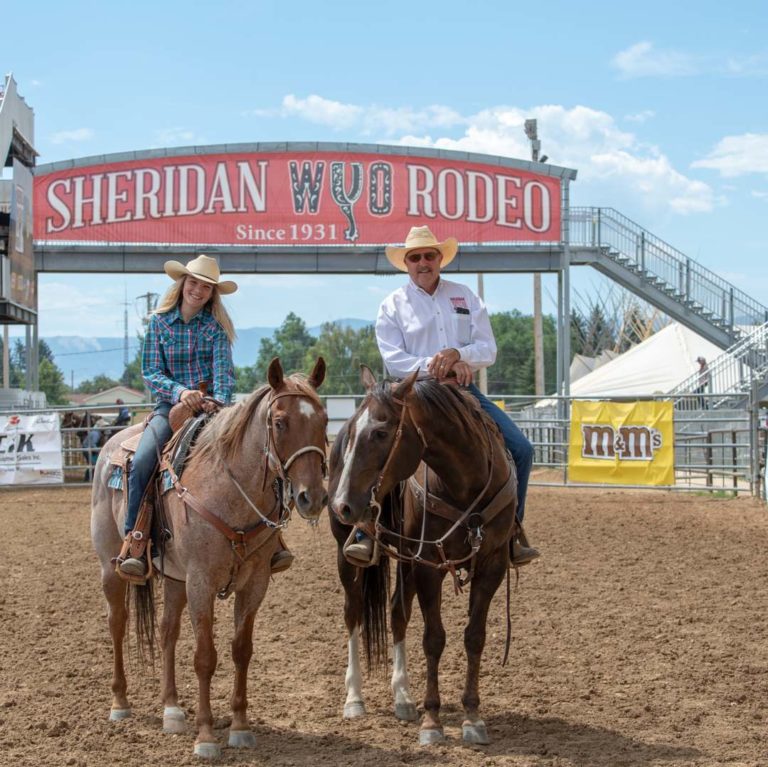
[82, 357]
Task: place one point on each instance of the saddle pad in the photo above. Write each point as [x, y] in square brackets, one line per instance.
[132, 443]
[116, 478]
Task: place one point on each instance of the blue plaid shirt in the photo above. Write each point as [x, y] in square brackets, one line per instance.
[179, 355]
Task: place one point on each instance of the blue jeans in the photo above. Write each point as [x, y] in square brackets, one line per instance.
[517, 444]
[157, 433]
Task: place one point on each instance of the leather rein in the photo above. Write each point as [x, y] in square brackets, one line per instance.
[265, 527]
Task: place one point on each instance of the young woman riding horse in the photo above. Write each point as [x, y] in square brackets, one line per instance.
[188, 343]
[251, 464]
[457, 516]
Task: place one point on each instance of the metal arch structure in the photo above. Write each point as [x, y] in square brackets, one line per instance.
[297, 207]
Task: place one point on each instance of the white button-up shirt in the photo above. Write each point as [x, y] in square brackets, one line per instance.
[413, 325]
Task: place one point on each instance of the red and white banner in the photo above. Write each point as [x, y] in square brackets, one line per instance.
[294, 198]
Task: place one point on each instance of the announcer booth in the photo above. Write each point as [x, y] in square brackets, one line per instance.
[303, 208]
[18, 281]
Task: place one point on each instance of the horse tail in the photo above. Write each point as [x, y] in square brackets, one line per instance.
[143, 594]
[143, 598]
[374, 618]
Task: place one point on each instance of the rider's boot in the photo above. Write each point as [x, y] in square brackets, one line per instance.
[360, 551]
[521, 552]
[282, 559]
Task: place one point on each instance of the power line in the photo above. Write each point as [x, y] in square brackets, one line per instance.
[93, 351]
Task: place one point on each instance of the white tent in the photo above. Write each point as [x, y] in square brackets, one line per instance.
[654, 366]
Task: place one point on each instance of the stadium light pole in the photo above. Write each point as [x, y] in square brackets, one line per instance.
[531, 131]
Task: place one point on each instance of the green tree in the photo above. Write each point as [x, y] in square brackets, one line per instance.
[246, 379]
[131, 376]
[598, 333]
[51, 379]
[52, 383]
[96, 384]
[289, 342]
[344, 350]
[514, 369]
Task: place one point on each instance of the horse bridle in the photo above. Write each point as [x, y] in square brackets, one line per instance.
[463, 516]
[270, 451]
[374, 502]
[239, 537]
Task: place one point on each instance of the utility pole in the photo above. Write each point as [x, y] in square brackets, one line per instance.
[151, 303]
[6, 360]
[125, 330]
[531, 131]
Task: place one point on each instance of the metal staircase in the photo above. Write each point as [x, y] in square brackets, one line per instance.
[663, 276]
[735, 371]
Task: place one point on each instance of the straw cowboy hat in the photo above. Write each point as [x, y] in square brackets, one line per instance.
[421, 237]
[203, 268]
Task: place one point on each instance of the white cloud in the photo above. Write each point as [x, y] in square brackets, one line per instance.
[755, 65]
[367, 120]
[643, 60]
[177, 137]
[613, 163]
[738, 155]
[78, 134]
[317, 109]
[610, 161]
[760, 195]
[640, 117]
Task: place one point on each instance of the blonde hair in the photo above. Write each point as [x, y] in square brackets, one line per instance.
[173, 298]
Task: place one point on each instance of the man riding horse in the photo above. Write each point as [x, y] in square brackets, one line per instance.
[441, 329]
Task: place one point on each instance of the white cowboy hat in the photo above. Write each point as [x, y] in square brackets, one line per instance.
[421, 237]
[203, 268]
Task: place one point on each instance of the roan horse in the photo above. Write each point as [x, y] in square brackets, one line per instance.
[250, 462]
[462, 526]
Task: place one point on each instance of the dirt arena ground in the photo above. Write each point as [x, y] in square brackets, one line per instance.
[639, 639]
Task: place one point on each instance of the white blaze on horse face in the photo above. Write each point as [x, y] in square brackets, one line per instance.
[306, 408]
[346, 473]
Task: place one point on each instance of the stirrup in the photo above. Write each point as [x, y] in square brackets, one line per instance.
[353, 546]
[125, 554]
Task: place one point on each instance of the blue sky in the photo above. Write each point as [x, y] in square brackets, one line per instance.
[661, 107]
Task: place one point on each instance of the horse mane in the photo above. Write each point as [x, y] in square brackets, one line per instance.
[225, 433]
[450, 403]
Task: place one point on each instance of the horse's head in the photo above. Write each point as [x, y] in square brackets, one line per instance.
[297, 424]
[377, 448]
[71, 420]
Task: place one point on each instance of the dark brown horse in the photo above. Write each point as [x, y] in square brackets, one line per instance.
[437, 436]
[250, 464]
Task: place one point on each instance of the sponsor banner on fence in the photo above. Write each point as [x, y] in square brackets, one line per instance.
[30, 450]
[622, 443]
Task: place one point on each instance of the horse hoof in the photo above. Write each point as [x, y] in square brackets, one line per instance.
[242, 739]
[429, 737]
[116, 714]
[475, 732]
[208, 750]
[354, 709]
[174, 721]
[406, 712]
